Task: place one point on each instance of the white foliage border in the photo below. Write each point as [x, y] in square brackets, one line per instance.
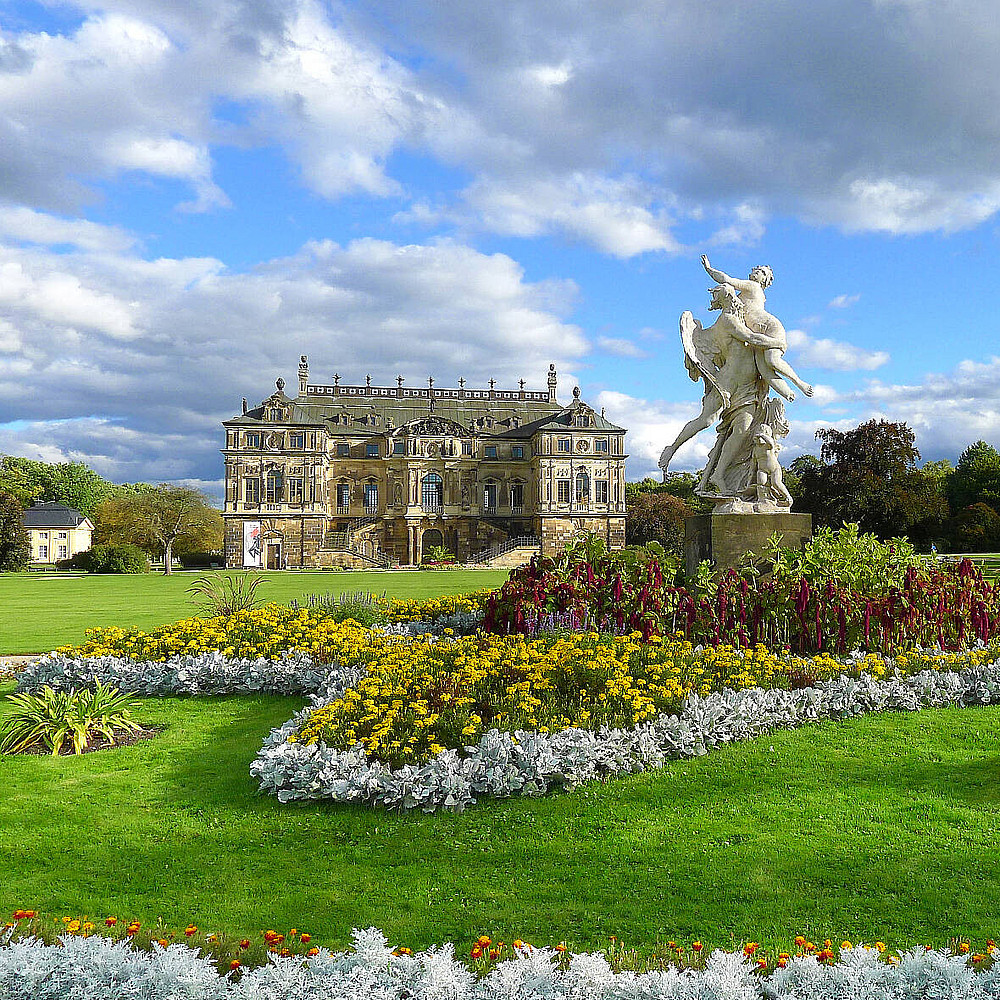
[102, 969]
[531, 763]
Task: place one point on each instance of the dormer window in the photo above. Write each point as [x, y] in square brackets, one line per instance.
[274, 413]
[564, 444]
[491, 451]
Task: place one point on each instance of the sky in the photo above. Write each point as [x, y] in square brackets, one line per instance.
[195, 192]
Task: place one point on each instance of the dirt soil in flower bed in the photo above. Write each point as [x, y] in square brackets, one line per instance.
[96, 744]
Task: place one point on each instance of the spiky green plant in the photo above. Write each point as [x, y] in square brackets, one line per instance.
[222, 597]
[51, 718]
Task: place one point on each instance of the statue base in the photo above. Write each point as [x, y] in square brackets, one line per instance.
[726, 536]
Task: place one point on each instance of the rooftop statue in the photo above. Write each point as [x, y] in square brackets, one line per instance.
[740, 359]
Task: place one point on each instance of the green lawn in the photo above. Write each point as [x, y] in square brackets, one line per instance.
[41, 610]
[883, 827]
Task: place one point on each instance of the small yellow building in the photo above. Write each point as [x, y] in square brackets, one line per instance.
[56, 531]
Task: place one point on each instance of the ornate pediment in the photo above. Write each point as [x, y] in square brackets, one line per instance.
[432, 426]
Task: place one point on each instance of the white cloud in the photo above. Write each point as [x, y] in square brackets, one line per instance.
[29, 226]
[843, 301]
[620, 347]
[832, 355]
[132, 363]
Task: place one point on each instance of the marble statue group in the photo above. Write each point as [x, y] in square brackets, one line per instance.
[740, 360]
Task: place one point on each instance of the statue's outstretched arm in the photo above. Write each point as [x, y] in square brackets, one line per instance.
[740, 284]
[761, 339]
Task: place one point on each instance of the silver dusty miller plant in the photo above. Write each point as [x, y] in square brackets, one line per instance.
[100, 969]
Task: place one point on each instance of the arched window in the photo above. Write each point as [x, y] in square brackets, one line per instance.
[432, 492]
[273, 486]
[371, 497]
[582, 487]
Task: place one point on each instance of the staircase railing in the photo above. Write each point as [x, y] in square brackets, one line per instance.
[502, 548]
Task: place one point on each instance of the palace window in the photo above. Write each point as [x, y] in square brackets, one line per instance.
[63, 552]
[252, 439]
[466, 447]
[517, 498]
[43, 553]
[432, 492]
[61, 534]
[490, 498]
[491, 451]
[582, 487]
[343, 451]
[297, 440]
[517, 451]
[295, 490]
[601, 444]
[564, 444]
[371, 498]
[399, 447]
[371, 449]
[273, 486]
[343, 498]
[600, 491]
[251, 491]
[562, 490]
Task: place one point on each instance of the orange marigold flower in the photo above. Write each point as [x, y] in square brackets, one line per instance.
[561, 946]
[880, 946]
[285, 952]
[800, 941]
[750, 948]
[761, 963]
[306, 938]
[782, 962]
[244, 944]
[293, 932]
[697, 945]
[494, 954]
[162, 942]
[190, 929]
[110, 921]
[234, 964]
[964, 947]
[978, 958]
[846, 946]
[927, 947]
[133, 928]
[313, 951]
[477, 951]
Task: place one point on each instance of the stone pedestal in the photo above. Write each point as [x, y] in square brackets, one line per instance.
[726, 538]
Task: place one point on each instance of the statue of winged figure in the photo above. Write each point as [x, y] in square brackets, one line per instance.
[738, 367]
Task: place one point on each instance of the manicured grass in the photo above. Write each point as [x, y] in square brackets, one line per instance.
[39, 611]
[877, 828]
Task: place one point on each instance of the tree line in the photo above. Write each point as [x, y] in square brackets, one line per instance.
[870, 475]
[162, 520]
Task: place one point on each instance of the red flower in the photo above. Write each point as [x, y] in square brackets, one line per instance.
[111, 921]
[234, 964]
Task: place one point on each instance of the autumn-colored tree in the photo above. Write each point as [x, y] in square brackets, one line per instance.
[161, 520]
[656, 516]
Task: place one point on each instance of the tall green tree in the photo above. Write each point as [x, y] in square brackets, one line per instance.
[15, 545]
[161, 520]
[72, 483]
[869, 475]
[976, 478]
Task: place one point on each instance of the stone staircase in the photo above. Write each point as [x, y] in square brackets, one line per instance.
[508, 554]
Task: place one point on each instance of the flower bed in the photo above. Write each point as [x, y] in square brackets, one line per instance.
[274, 629]
[950, 606]
[100, 968]
[531, 763]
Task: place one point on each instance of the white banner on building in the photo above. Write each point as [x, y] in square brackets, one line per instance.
[251, 544]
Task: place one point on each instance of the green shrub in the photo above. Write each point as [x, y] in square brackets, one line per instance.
[51, 718]
[201, 560]
[859, 562]
[109, 558]
[221, 597]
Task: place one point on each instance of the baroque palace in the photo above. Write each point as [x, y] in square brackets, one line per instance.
[364, 475]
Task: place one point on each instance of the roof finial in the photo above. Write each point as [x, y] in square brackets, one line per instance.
[576, 393]
[279, 384]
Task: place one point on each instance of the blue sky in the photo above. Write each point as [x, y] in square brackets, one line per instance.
[193, 193]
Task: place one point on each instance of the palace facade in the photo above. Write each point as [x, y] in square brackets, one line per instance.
[363, 475]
